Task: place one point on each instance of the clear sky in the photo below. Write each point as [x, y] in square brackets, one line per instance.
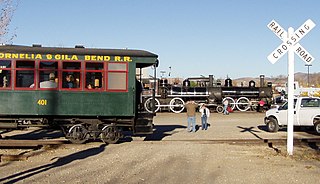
[198, 37]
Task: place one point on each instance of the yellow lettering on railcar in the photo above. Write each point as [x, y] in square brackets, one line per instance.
[127, 58]
[117, 58]
[96, 58]
[20, 56]
[65, 57]
[42, 102]
[38, 56]
[49, 56]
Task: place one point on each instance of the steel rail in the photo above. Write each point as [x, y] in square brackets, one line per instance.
[281, 141]
[37, 146]
[11, 143]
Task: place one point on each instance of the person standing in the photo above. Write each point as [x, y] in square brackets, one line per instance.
[260, 106]
[191, 114]
[205, 114]
[225, 107]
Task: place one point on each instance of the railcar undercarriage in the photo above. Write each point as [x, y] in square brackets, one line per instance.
[79, 130]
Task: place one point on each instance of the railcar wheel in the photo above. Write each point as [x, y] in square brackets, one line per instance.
[272, 125]
[148, 105]
[77, 134]
[219, 109]
[232, 103]
[177, 105]
[243, 104]
[110, 134]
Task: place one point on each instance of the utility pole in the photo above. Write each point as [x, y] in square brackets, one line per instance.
[308, 65]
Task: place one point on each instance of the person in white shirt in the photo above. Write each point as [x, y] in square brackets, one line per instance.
[225, 107]
[205, 114]
[49, 84]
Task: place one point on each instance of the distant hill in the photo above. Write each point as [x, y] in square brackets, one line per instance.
[302, 78]
[280, 80]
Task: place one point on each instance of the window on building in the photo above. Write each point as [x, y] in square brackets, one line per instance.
[117, 76]
[25, 74]
[71, 77]
[94, 76]
[5, 73]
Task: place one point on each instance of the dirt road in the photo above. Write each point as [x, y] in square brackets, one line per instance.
[150, 160]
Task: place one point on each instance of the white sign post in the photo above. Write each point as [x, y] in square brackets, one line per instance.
[290, 44]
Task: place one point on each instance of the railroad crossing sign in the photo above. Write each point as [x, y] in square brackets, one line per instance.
[291, 41]
[290, 44]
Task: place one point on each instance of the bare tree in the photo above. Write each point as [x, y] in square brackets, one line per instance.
[7, 9]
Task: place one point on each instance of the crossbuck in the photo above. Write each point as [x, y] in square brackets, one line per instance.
[290, 44]
[283, 48]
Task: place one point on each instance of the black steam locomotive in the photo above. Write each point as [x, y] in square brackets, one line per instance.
[209, 91]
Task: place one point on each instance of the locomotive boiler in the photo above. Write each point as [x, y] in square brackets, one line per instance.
[209, 91]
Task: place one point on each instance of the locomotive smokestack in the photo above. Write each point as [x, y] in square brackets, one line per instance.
[210, 80]
[261, 80]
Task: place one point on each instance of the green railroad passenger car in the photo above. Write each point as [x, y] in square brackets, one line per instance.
[89, 93]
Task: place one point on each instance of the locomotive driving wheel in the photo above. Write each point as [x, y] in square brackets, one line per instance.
[232, 103]
[110, 134]
[148, 105]
[77, 134]
[243, 104]
[176, 105]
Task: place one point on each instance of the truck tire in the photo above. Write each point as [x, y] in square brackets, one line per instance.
[272, 125]
[317, 127]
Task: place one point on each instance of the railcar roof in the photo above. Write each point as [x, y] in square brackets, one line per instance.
[78, 51]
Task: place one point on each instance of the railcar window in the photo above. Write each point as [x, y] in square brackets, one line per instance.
[71, 65]
[117, 81]
[94, 76]
[25, 74]
[117, 67]
[5, 73]
[71, 78]
[117, 76]
[25, 64]
[48, 74]
[48, 65]
[94, 66]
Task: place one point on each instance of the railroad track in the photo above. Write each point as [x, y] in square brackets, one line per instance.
[37, 145]
[10, 143]
[249, 141]
[30, 147]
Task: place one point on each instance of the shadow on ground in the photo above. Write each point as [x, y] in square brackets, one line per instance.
[309, 130]
[59, 162]
[162, 131]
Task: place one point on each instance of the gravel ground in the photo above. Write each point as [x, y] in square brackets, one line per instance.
[142, 161]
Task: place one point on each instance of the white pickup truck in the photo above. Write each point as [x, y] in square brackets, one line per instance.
[306, 113]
